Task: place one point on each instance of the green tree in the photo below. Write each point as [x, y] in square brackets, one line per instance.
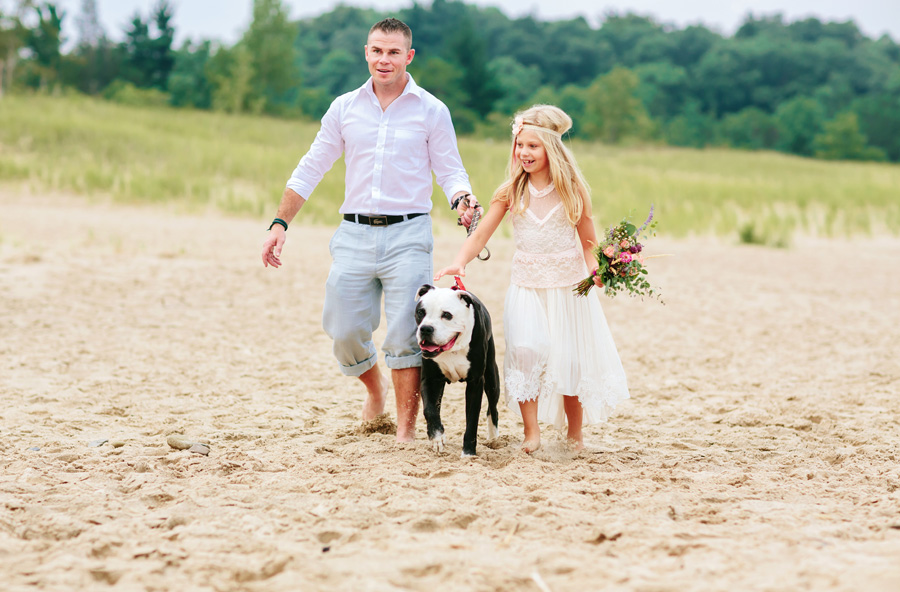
[91, 66]
[44, 41]
[340, 71]
[842, 140]
[799, 121]
[269, 42]
[627, 37]
[148, 57]
[692, 127]
[188, 82]
[879, 116]
[614, 111]
[13, 36]
[751, 128]
[468, 49]
[444, 79]
[230, 74]
[663, 88]
[518, 83]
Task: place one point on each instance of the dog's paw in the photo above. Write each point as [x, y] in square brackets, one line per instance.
[492, 430]
[437, 442]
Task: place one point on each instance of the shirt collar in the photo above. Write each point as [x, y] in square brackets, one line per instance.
[411, 87]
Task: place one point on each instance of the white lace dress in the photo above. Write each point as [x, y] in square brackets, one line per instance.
[557, 343]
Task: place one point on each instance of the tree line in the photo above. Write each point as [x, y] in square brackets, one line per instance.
[805, 87]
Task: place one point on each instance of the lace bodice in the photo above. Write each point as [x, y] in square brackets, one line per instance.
[548, 253]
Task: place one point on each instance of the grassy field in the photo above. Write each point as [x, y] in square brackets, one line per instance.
[238, 164]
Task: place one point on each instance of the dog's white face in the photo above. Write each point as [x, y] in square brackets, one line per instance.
[445, 319]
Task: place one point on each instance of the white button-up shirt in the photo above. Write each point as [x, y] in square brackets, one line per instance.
[389, 154]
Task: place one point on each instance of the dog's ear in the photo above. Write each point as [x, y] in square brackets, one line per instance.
[465, 297]
[425, 289]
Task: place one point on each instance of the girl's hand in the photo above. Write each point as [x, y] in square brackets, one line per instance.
[459, 270]
[597, 281]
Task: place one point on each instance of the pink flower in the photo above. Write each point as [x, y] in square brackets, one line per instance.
[517, 126]
[625, 257]
[624, 244]
[610, 251]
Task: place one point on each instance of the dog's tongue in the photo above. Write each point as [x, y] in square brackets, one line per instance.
[431, 348]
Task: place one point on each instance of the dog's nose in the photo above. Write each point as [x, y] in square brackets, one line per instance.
[426, 330]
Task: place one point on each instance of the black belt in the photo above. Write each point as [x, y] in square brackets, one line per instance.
[380, 220]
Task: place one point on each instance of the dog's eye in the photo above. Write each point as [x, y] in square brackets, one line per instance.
[447, 316]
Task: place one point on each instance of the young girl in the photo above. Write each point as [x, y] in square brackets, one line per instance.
[561, 363]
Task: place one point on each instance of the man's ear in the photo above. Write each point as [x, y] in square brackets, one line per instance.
[425, 289]
[409, 56]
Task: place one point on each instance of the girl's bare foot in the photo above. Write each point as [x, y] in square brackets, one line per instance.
[576, 445]
[530, 446]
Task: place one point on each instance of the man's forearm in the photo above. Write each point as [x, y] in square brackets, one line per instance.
[291, 202]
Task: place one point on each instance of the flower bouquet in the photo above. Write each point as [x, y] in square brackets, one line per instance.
[621, 261]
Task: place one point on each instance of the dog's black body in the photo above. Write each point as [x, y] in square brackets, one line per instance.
[441, 367]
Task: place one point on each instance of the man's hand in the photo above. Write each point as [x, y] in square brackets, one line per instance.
[271, 254]
[466, 210]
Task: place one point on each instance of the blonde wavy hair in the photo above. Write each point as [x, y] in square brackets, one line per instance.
[549, 123]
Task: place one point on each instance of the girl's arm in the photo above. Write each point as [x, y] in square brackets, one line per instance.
[476, 241]
[588, 236]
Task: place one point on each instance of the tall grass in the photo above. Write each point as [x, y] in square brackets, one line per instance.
[239, 164]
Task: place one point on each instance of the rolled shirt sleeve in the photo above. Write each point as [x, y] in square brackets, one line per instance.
[324, 152]
[443, 152]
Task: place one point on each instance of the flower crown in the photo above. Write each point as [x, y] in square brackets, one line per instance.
[519, 124]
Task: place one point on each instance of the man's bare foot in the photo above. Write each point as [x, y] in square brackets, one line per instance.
[530, 446]
[406, 435]
[376, 394]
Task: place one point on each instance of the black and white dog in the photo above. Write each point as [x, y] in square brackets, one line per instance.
[454, 333]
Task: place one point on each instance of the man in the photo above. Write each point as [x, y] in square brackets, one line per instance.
[393, 135]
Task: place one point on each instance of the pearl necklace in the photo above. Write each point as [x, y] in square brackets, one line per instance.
[536, 194]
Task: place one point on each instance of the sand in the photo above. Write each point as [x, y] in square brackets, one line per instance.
[760, 449]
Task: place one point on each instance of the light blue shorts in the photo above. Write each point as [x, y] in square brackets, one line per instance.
[368, 261]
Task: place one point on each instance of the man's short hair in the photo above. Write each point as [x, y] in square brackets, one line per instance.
[392, 25]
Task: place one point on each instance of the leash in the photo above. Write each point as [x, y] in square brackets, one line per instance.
[476, 217]
[459, 285]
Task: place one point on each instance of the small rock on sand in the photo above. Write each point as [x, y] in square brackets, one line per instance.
[178, 442]
[199, 448]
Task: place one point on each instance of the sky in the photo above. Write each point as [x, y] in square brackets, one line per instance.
[225, 20]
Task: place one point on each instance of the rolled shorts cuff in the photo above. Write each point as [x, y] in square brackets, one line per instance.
[403, 362]
[358, 370]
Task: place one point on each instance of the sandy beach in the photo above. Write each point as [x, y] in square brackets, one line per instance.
[760, 449]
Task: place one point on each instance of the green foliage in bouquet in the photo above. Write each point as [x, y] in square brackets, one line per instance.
[621, 261]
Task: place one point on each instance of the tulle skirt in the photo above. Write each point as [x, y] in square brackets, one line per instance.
[558, 344]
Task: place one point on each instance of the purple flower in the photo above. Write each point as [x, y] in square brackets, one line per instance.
[633, 249]
[647, 221]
